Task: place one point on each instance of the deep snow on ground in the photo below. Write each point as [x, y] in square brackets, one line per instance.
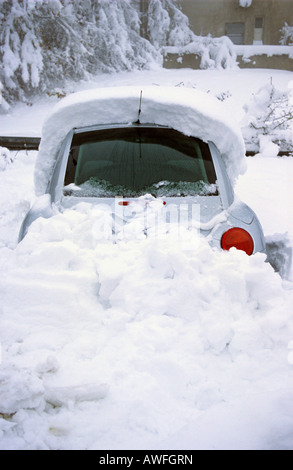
[144, 344]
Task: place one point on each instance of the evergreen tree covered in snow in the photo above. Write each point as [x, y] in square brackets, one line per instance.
[44, 43]
[20, 51]
[167, 25]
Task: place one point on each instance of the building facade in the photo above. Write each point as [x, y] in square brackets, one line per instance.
[245, 22]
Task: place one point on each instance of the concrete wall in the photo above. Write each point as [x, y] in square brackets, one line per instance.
[279, 62]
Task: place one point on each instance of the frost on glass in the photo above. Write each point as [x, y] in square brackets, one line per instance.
[95, 187]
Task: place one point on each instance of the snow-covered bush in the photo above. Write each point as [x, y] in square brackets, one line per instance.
[214, 53]
[287, 35]
[219, 53]
[270, 113]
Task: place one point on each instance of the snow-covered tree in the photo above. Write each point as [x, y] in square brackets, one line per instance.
[270, 114]
[44, 43]
[167, 25]
[118, 43]
[20, 51]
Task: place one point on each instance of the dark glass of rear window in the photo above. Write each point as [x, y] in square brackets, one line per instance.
[132, 160]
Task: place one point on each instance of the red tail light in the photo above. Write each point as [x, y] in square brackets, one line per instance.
[123, 203]
[238, 238]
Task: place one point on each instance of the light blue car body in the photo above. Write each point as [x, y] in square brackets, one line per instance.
[218, 213]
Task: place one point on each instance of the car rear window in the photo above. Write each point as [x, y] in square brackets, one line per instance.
[138, 160]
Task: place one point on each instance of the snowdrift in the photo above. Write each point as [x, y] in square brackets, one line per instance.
[146, 343]
[191, 112]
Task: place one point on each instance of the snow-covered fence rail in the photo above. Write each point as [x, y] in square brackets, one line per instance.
[20, 143]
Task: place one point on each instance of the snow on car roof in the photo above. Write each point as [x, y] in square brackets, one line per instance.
[192, 112]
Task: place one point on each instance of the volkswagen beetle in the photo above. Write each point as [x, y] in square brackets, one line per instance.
[134, 146]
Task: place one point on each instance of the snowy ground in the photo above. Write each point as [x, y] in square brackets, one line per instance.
[146, 344]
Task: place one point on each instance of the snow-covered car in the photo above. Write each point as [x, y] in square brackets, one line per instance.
[135, 145]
